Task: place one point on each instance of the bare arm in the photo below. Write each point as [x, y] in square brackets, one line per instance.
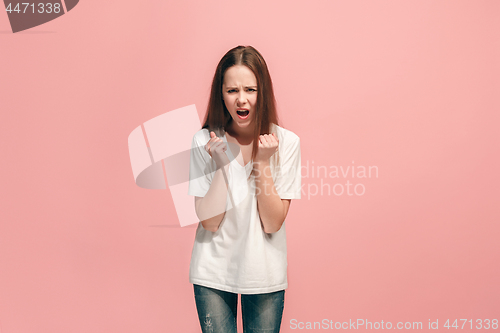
[272, 209]
[212, 207]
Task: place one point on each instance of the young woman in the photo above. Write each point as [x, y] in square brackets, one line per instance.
[244, 171]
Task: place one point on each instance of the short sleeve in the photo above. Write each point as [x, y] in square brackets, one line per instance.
[200, 176]
[288, 182]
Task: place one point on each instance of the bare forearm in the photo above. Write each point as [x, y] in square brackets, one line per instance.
[212, 207]
[269, 204]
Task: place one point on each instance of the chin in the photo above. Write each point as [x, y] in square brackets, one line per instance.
[244, 124]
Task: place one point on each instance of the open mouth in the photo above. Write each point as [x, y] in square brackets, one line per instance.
[242, 114]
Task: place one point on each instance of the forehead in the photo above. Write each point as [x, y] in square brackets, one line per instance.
[239, 75]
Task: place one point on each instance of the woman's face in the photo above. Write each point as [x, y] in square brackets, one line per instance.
[239, 92]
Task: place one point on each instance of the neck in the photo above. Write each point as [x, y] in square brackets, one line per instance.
[244, 134]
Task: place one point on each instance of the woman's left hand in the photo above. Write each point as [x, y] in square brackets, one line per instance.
[268, 145]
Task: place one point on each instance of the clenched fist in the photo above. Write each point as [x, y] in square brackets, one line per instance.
[268, 145]
[216, 148]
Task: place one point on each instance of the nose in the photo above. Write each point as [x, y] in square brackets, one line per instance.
[242, 99]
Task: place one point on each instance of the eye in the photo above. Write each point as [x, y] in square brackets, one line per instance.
[251, 89]
[230, 91]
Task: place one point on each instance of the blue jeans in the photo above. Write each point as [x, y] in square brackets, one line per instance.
[217, 310]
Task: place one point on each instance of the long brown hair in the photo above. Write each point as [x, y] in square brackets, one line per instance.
[218, 118]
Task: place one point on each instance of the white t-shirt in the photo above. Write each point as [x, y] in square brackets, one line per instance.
[240, 257]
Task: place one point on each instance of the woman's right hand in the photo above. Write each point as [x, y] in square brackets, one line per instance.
[216, 148]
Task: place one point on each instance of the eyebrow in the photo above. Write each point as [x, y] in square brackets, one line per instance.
[245, 87]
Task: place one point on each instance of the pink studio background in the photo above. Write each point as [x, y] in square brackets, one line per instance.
[410, 87]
